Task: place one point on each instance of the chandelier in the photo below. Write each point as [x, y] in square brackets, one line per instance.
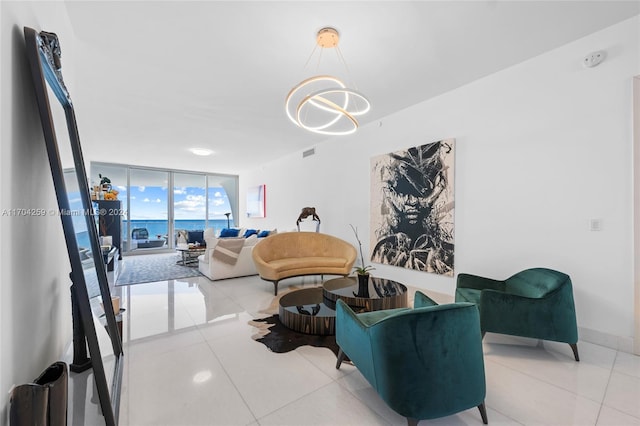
[323, 103]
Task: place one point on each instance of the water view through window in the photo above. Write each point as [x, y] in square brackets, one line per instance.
[156, 204]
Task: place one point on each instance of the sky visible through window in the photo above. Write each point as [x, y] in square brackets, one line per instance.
[150, 202]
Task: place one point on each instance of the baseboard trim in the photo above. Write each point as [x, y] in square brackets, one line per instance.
[620, 343]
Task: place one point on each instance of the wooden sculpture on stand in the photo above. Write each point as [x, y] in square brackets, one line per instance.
[306, 212]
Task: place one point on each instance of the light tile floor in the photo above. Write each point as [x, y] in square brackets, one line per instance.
[190, 360]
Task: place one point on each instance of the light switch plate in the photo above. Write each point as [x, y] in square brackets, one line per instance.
[595, 225]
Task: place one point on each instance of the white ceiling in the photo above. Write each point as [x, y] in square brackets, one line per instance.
[154, 78]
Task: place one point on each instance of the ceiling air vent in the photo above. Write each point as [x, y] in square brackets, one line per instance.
[308, 152]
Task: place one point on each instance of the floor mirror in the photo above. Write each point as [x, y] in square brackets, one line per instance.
[94, 319]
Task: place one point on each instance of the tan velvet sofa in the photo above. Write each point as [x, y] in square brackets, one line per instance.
[294, 254]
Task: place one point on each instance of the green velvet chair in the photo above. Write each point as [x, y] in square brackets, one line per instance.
[425, 362]
[536, 303]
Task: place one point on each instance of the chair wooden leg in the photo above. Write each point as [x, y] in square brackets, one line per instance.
[483, 413]
[412, 422]
[275, 288]
[341, 357]
[574, 348]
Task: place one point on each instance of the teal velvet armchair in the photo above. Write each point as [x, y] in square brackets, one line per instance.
[425, 362]
[536, 303]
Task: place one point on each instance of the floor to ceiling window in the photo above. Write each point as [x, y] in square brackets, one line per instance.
[189, 201]
[148, 209]
[157, 203]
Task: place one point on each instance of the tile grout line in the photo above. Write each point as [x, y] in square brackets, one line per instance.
[496, 410]
[361, 400]
[606, 388]
[555, 385]
[233, 383]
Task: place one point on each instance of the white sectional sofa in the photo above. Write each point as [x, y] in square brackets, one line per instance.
[216, 269]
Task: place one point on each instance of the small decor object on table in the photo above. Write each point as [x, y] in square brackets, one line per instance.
[104, 191]
[363, 286]
[362, 271]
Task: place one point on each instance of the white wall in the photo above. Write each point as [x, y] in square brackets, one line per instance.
[35, 308]
[541, 148]
[636, 208]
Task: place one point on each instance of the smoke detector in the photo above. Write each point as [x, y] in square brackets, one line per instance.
[593, 59]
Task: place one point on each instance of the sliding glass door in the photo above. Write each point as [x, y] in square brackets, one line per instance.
[189, 202]
[148, 209]
[157, 203]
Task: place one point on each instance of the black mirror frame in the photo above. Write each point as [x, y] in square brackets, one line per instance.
[44, 58]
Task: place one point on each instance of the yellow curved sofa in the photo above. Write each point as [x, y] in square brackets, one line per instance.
[294, 254]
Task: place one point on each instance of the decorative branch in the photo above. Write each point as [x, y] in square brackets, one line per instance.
[361, 270]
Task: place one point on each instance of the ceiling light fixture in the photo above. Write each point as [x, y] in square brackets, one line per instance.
[201, 151]
[323, 103]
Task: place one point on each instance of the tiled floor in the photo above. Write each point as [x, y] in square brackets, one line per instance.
[190, 360]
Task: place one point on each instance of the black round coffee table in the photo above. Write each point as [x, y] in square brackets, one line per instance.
[304, 311]
[312, 310]
[380, 294]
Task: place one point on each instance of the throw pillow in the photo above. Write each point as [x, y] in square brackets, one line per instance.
[263, 234]
[227, 232]
[250, 232]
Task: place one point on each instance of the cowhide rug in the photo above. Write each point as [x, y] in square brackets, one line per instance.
[281, 339]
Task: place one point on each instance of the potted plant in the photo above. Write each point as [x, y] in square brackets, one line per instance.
[362, 271]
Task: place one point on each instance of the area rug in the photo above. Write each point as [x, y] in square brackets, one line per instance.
[281, 339]
[153, 267]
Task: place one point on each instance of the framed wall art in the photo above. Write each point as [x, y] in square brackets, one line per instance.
[412, 208]
[256, 202]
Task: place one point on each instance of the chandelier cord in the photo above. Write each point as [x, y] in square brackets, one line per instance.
[346, 66]
[310, 57]
[313, 51]
[319, 59]
[306, 111]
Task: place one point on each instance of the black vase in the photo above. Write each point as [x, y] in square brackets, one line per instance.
[363, 286]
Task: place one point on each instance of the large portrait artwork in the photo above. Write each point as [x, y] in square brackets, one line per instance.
[412, 208]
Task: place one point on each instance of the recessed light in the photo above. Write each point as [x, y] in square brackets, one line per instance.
[201, 151]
